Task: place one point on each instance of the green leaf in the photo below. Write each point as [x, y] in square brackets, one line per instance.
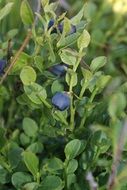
[97, 63]
[36, 147]
[14, 156]
[44, 2]
[31, 162]
[24, 139]
[71, 78]
[83, 40]
[20, 178]
[67, 56]
[52, 183]
[71, 178]
[30, 127]
[31, 186]
[54, 164]
[103, 81]
[4, 175]
[69, 40]
[39, 63]
[36, 93]
[27, 75]
[117, 104]
[86, 74]
[76, 19]
[57, 87]
[72, 166]
[5, 10]
[21, 62]
[67, 26]
[72, 149]
[26, 13]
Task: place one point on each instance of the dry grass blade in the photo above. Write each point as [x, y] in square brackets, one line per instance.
[117, 157]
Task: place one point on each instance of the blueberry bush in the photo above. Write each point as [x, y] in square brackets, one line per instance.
[63, 91]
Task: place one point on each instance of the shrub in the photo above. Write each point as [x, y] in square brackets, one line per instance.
[63, 118]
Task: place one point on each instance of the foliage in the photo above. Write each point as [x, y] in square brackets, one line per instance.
[62, 97]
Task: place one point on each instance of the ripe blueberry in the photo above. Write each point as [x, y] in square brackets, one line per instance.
[2, 65]
[50, 24]
[60, 27]
[61, 101]
[59, 69]
[73, 29]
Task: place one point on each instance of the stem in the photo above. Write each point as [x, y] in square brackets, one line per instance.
[82, 90]
[26, 41]
[86, 111]
[93, 95]
[17, 56]
[72, 112]
[38, 178]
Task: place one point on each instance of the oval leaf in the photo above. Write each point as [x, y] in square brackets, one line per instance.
[31, 162]
[27, 75]
[83, 40]
[26, 13]
[72, 149]
[97, 63]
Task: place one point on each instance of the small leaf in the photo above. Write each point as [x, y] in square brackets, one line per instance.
[71, 78]
[76, 19]
[31, 186]
[4, 176]
[68, 57]
[5, 10]
[20, 178]
[30, 127]
[36, 93]
[26, 13]
[97, 63]
[31, 162]
[83, 40]
[67, 26]
[14, 156]
[20, 63]
[36, 147]
[52, 183]
[54, 165]
[117, 104]
[68, 40]
[71, 178]
[27, 75]
[72, 149]
[72, 166]
[57, 87]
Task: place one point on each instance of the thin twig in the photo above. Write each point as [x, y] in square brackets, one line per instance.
[117, 157]
[16, 56]
[26, 41]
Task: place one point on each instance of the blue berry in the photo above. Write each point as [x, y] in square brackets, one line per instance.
[61, 101]
[73, 29]
[59, 69]
[60, 27]
[2, 65]
[50, 24]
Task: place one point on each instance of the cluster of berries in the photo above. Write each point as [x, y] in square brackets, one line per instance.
[60, 100]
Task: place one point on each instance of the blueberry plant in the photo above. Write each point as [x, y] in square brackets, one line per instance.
[63, 117]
